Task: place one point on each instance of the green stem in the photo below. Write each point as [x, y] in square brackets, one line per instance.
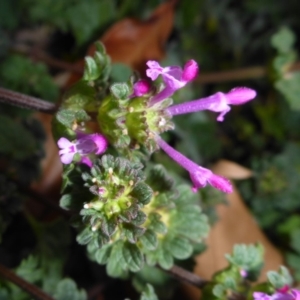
[25, 101]
[31, 289]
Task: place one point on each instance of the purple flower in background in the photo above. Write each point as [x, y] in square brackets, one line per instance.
[292, 295]
[200, 176]
[218, 102]
[174, 78]
[84, 145]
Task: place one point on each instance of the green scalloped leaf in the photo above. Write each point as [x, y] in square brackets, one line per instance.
[179, 247]
[149, 293]
[142, 192]
[149, 240]
[132, 233]
[281, 278]
[91, 69]
[139, 219]
[85, 236]
[116, 264]
[156, 224]
[68, 117]
[102, 254]
[165, 259]
[109, 226]
[133, 257]
[120, 90]
[67, 290]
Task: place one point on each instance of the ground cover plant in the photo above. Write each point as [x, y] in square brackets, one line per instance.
[126, 197]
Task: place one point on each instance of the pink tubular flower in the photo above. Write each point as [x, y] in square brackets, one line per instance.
[218, 102]
[294, 294]
[200, 176]
[174, 77]
[84, 145]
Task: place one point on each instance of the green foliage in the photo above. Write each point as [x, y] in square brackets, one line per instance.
[21, 74]
[132, 227]
[245, 264]
[67, 290]
[248, 258]
[16, 142]
[97, 67]
[148, 293]
[287, 83]
[281, 278]
[83, 19]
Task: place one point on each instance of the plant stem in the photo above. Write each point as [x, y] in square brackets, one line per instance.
[25, 101]
[31, 289]
[186, 276]
[232, 75]
[239, 74]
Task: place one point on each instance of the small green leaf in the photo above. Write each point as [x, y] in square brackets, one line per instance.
[65, 201]
[281, 278]
[132, 232]
[142, 192]
[246, 256]
[133, 257]
[69, 117]
[149, 240]
[109, 226]
[156, 224]
[116, 265]
[283, 40]
[179, 247]
[85, 236]
[67, 290]
[139, 219]
[92, 70]
[80, 97]
[120, 90]
[148, 293]
[102, 255]
[165, 259]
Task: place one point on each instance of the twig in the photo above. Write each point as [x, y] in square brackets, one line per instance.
[186, 276]
[233, 75]
[25, 101]
[31, 289]
[239, 74]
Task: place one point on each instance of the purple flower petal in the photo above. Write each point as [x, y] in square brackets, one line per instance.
[219, 102]
[64, 143]
[296, 294]
[100, 142]
[220, 183]
[199, 176]
[190, 71]
[87, 161]
[67, 158]
[261, 296]
[240, 95]
[141, 88]
[173, 76]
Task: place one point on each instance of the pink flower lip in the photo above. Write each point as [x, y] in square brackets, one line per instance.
[190, 71]
[240, 95]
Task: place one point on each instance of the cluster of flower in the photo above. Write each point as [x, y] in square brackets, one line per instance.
[174, 78]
